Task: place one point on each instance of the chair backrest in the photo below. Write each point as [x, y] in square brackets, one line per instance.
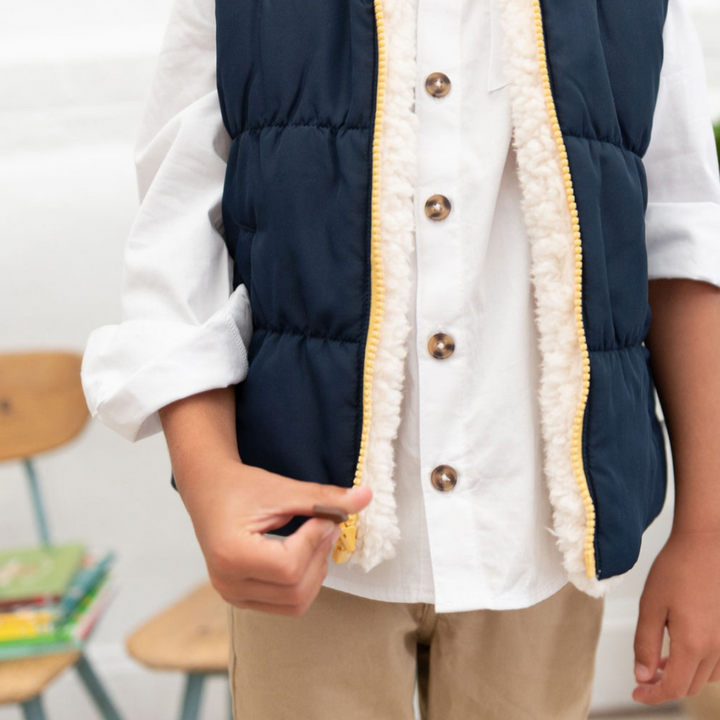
[42, 405]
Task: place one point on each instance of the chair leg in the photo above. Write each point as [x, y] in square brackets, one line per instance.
[33, 709]
[37, 500]
[194, 683]
[231, 716]
[97, 690]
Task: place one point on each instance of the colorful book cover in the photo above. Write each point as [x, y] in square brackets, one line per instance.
[30, 620]
[73, 634]
[31, 573]
[23, 624]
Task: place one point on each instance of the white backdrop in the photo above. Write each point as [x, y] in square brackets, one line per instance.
[73, 81]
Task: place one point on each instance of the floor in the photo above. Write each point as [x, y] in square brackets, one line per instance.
[641, 714]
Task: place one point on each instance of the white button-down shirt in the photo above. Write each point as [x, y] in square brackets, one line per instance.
[487, 542]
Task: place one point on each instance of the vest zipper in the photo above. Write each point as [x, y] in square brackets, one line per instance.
[345, 544]
[576, 447]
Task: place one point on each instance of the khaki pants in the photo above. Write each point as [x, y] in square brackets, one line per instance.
[350, 658]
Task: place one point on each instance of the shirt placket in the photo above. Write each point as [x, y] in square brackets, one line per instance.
[441, 329]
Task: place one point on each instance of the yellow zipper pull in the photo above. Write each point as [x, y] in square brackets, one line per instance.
[345, 544]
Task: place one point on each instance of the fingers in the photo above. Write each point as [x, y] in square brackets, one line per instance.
[286, 562]
[715, 675]
[648, 639]
[703, 674]
[304, 542]
[681, 668]
[238, 552]
[658, 673]
[292, 600]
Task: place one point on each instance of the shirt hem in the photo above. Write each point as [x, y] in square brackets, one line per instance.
[466, 602]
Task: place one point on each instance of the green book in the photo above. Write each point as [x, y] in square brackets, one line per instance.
[73, 634]
[38, 572]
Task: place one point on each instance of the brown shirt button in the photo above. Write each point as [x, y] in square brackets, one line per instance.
[437, 207]
[441, 345]
[444, 478]
[437, 84]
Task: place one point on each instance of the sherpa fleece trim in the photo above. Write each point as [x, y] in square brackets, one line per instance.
[378, 529]
[549, 225]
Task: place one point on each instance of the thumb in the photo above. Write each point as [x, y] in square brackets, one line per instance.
[648, 640]
[299, 497]
[310, 537]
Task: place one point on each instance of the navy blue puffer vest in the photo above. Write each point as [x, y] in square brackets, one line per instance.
[300, 85]
[605, 58]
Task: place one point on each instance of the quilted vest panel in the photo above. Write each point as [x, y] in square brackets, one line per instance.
[604, 59]
[297, 88]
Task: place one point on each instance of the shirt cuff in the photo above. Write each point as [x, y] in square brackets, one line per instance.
[129, 371]
[683, 241]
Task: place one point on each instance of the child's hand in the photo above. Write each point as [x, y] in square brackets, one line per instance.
[232, 504]
[235, 504]
[682, 591]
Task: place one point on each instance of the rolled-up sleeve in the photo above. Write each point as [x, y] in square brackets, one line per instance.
[183, 328]
[683, 214]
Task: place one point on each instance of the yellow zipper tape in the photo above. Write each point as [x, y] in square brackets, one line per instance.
[345, 544]
[576, 450]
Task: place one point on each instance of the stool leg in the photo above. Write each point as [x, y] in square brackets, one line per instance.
[193, 695]
[231, 716]
[33, 709]
[97, 691]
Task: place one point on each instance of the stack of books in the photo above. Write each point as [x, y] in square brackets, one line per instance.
[51, 598]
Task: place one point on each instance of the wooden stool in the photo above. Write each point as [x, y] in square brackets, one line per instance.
[42, 406]
[190, 637]
[23, 681]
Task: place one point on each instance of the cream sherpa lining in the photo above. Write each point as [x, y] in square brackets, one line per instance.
[549, 226]
[548, 221]
[378, 529]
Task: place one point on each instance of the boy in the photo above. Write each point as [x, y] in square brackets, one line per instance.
[306, 180]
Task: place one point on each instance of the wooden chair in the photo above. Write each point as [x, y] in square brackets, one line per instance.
[190, 637]
[42, 407]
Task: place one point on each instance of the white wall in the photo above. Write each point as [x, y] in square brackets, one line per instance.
[706, 15]
[73, 80]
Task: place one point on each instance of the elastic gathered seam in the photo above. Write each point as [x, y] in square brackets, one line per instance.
[603, 141]
[284, 126]
[619, 348]
[313, 336]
